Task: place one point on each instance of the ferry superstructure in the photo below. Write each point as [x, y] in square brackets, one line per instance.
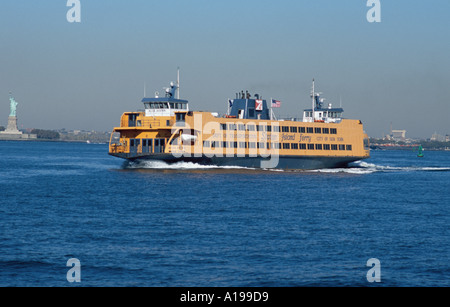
[249, 135]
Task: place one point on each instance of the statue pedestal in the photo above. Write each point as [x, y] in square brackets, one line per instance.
[12, 126]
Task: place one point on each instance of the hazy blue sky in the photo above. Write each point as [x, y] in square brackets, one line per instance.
[85, 75]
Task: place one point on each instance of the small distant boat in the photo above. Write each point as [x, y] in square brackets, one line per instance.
[420, 154]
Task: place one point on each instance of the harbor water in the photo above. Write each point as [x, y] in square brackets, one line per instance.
[152, 224]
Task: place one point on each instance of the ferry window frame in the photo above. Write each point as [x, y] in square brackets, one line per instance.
[206, 144]
[275, 128]
[275, 145]
[326, 146]
[333, 131]
[242, 144]
[310, 147]
[251, 144]
[301, 129]
[302, 146]
[334, 147]
[318, 146]
[326, 130]
[284, 129]
[223, 126]
[294, 145]
[241, 127]
[251, 128]
[341, 147]
[269, 128]
[293, 129]
[251, 112]
[348, 147]
[286, 146]
[317, 130]
[309, 130]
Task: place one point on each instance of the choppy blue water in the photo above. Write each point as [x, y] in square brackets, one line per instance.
[153, 225]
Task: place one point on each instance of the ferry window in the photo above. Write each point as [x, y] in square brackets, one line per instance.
[326, 146]
[309, 130]
[224, 145]
[286, 146]
[276, 145]
[284, 129]
[318, 146]
[180, 118]
[223, 126]
[326, 131]
[251, 145]
[276, 128]
[301, 129]
[366, 144]
[333, 131]
[302, 146]
[242, 144]
[251, 112]
[261, 145]
[235, 145]
[139, 123]
[341, 147]
[241, 127]
[348, 147]
[171, 105]
[294, 146]
[318, 130]
[310, 146]
[269, 128]
[250, 128]
[206, 144]
[232, 127]
[294, 129]
[333, 147]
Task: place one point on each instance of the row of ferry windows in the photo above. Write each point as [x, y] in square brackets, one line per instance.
[165, 105]
[242, 127]
[263, 145]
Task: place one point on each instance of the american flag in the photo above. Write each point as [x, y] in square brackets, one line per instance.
[276, 103]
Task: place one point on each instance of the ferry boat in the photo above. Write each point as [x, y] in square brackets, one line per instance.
[249, 135]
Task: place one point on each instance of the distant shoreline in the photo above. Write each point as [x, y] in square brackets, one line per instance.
[53, 141]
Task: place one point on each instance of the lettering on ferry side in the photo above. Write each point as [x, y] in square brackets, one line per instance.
[305, 138]
[287, 137]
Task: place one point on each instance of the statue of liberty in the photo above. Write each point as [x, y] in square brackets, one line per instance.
[13, 105]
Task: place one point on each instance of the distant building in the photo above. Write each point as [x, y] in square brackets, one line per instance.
[438, 138]
[398, 135]
[447, 138]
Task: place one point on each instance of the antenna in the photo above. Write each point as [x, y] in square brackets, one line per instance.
[313, 98]
[145, 89]
[178, 83]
